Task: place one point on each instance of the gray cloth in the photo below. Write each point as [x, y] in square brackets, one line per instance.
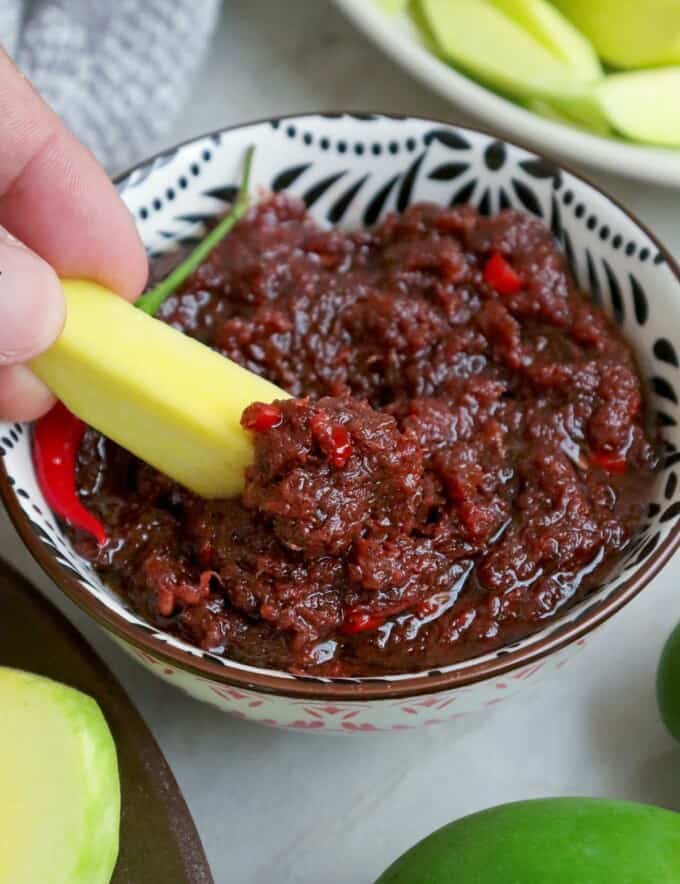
[116, 71]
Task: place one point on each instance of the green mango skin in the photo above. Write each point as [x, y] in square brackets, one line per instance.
[549, 841]
[668, 684]
[422, 25]
[584, 113]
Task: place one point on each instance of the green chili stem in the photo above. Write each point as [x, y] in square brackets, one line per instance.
[150, 301]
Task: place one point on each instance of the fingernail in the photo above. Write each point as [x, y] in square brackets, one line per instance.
[32, 309]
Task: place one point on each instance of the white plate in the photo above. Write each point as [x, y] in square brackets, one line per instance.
[397, 36]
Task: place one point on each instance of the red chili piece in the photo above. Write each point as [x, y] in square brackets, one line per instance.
[333, 439]
[341, 447]
[609, 462]
[56, 439]
[361, 621]
[500, 275]
[260, 417]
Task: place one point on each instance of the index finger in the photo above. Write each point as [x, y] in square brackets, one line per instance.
[57, 199]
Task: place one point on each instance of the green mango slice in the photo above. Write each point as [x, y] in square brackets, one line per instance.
[628, 33]
[490, 46]
[59, 787]
[643, 105]
[547, 25]
[583, 112]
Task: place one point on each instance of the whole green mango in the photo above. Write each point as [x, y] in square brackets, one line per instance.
[549, 841]
[668, 683]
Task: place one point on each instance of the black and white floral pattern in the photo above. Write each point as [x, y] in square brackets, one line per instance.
[352, 169]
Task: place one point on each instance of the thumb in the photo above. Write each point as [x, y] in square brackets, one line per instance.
[32, 312]
[32, 307]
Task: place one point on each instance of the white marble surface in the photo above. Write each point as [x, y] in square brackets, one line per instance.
[298, 809]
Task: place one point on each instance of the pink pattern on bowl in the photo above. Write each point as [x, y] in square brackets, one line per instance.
[361, 716]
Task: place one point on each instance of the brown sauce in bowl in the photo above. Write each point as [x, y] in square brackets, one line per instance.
[469, 456]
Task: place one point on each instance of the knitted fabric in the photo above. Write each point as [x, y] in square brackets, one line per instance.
[116, 71]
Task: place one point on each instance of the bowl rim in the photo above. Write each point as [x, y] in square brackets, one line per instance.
[279, 682]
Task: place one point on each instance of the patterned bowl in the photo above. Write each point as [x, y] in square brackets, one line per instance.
[350, 170]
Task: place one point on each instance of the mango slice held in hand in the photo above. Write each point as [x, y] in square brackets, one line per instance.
[167, 398]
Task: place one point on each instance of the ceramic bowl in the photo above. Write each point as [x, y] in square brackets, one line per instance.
[398, 37]
[351, 170]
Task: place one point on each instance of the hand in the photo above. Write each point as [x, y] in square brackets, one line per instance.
[68, 220]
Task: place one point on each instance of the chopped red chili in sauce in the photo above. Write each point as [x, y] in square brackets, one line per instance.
[436, 490]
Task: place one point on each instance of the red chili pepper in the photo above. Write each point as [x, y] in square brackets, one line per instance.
[501, 276]
[361, 621]
[333, 439]
[341, 447]
[609, 462]
[260, 417]
[56, 439]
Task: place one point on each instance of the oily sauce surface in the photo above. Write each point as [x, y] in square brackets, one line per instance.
[468, 458]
